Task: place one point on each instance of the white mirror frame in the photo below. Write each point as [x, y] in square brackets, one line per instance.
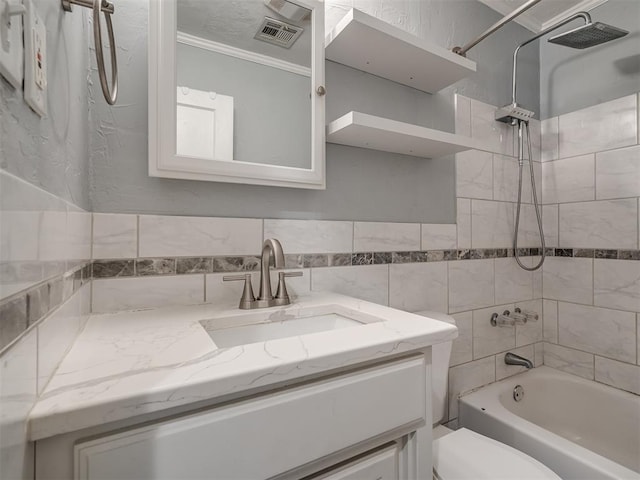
[163, 161]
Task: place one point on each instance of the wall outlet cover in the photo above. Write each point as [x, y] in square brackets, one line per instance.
[35, 65]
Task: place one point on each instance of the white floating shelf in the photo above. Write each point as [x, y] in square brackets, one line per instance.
[368, 131]
[377, 47]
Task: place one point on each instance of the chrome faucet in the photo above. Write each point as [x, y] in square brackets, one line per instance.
[271, 248]
[513, 359]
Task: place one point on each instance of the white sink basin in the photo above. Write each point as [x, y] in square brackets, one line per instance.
[261, 326]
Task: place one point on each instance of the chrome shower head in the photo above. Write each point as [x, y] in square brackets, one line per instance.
[588, 35]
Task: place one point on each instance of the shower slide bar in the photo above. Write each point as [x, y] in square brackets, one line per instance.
[110, 94]
[462, 51]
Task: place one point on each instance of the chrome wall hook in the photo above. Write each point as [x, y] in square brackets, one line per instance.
[110, 94]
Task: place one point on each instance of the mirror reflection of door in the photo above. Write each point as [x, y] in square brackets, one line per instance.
[244, 81]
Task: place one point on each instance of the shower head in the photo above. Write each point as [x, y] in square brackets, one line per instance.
[588, 35]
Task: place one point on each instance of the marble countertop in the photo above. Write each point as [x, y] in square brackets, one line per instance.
[132, 363]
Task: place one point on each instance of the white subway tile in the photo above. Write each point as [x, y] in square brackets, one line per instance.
[437, 236]
[549, 133]
[367, 282]
[462, 115]
[550, 321]
[385, 237]
[513, 283]
[115, 294]
[497, 136]
[601, 127]
[617, 284]
[466, 377]
[311, 236]
[505, 180]
[568, 279]
[528, 230]
[618, 374]
[78, 234]
[597, 330]
[161, 235]
[115, 236]
[535, 130]
[569, 180]
[418, 286]
[568, 360]
[492, 224]
[471, 285]
[618, 173]
[462, 349]
[609, 224]
[53, 236]
[503, 370]
[550, 225]
[474, 174]
[487, 339]
[463, 222]
[538, 350]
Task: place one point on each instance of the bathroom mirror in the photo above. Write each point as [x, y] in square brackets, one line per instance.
[236, 91]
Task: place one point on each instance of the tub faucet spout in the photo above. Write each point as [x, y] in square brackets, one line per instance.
[513, 359]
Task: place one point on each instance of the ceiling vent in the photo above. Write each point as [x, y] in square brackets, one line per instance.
[278, 32]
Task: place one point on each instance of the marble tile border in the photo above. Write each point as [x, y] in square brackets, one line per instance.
[139, 267]
[21, 311]
[593, 253]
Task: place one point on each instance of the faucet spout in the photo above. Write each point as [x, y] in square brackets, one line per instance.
[513, 359]
[271, 248]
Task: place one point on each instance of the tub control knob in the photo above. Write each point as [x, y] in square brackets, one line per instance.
[518, 393]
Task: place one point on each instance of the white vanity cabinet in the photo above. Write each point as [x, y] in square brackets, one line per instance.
[286, 434]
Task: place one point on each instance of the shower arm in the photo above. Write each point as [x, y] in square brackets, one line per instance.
[462, 51]
[583, 15]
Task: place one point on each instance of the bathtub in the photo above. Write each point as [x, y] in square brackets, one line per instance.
[579, 428]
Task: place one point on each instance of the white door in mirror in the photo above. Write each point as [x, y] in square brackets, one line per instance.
[204, 124]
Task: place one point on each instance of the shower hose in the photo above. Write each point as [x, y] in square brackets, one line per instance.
[522, 127]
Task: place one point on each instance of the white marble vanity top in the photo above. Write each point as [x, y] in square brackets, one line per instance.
[132, 363]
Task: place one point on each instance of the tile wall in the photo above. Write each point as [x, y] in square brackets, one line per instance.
[45, 248]
[591, 190]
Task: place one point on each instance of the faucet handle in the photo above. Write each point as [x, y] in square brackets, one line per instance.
[246, 302]
[531, 315]
[282, 296]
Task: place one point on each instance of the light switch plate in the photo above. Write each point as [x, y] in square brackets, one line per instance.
[11, 47]
[35, 60]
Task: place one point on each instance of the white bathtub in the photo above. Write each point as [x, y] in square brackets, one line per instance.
[580, 429]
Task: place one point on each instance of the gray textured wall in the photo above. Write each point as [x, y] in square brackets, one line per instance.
[361, 184]
[52, 152]
[574, 79]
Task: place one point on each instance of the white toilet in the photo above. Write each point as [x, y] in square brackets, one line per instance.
[465, 454]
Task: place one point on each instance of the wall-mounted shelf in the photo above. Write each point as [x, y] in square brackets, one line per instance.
[377, 47]
[368, 131]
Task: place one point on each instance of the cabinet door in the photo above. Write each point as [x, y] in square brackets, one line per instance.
[380, 465]
[265, 436]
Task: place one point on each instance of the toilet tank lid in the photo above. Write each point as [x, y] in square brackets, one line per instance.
[465, 454]
[443, 317]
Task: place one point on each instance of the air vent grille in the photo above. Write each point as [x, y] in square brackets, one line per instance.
[278, 32]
